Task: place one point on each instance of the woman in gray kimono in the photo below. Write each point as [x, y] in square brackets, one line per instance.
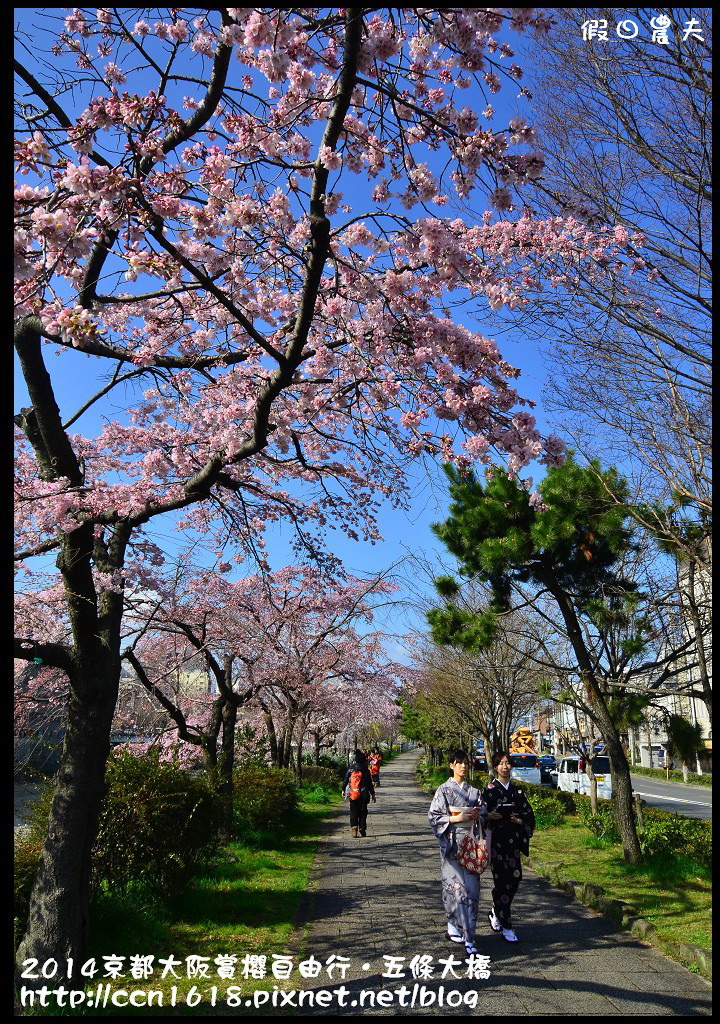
[455, 810]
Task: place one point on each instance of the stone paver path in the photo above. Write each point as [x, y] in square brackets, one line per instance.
[380, 896]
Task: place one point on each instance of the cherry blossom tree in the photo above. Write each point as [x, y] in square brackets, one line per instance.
[287, 641]
[230, 229]
[342, 684]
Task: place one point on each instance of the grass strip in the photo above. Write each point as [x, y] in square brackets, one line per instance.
[673, 893]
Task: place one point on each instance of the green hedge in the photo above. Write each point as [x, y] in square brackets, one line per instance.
[568, 801]
[549, 811]
[664, 831]
[675, 775]
[602, 824]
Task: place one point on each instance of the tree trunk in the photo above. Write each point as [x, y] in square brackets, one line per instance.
[297, 766]
[59, 905]
[622, 802]
[700, 637]
[622, 795]
[227, 764]
[284, 746]
[272, 738]
[209, 738]
[590, 772]
[286, 740]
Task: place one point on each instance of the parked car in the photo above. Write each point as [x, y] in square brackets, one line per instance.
[479, 762]
[571, 777]
[525, 768]
[547, 764]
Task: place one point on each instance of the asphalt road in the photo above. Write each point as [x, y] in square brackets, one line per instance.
[691, 801]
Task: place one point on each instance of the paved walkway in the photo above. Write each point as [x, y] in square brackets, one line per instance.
[380, 896]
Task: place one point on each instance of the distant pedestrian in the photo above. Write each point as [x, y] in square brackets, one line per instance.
[511, 820]
[359, 790]
[374, 762]
[454, 812]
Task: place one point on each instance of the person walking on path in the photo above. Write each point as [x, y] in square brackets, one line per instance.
[359, 790]
[454, 812]
[374, 762]
[511, 821]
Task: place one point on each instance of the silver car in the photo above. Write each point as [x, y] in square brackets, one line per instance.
[525, 768]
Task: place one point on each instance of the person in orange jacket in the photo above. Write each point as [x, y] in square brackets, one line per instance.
[374, 762]
[359, 790]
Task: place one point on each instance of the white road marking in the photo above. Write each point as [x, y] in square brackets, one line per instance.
[676, 799]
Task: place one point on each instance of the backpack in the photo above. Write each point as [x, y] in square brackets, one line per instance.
[355, 785]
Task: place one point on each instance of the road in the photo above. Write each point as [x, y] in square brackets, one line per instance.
[692, 801]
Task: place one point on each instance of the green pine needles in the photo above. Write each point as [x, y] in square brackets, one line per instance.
[567, 538]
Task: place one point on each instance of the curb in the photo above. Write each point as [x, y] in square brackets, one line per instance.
[624, 915]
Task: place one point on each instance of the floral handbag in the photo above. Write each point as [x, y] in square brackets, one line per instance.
[474, 853]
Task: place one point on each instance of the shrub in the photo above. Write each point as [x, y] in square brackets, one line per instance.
[675, 775]
[602, 825]
[157, 824]
[321, 776]
[314, 793]
[263, 798]
[665, 834]
[336, 762]
[548, 809]
[430, 776]
[567, 800]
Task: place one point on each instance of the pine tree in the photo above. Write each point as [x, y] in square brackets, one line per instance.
[569, 540]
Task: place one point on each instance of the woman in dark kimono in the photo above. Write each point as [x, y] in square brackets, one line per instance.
[455, 811]
[511, 820]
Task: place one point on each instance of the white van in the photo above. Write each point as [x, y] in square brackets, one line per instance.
[572, 780]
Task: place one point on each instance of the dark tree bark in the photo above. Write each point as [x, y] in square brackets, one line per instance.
[622, 796]
[227, 763]
[59, 906]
